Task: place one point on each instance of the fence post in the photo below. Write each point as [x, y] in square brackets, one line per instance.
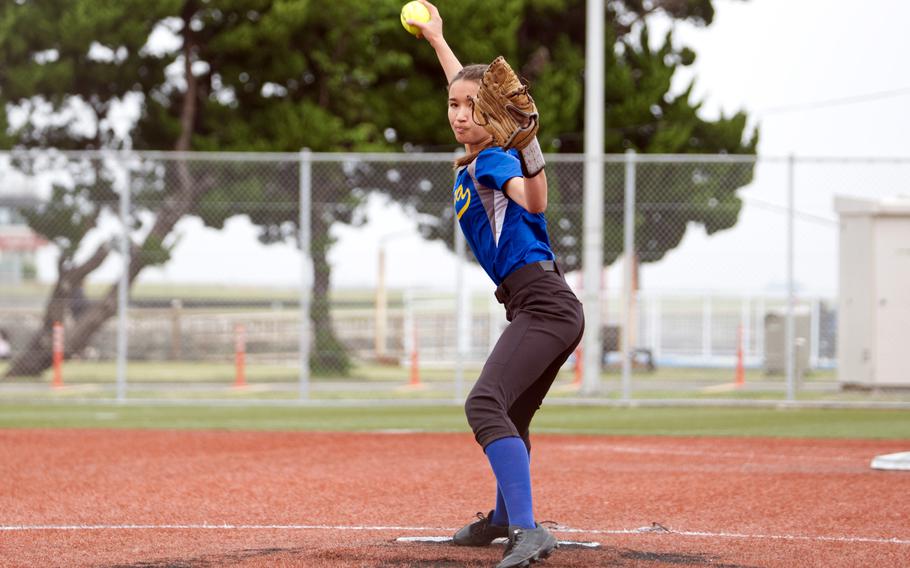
[306, 264]
[592, 240]
[176, 333]
[789, 351]
[123, 288]
[628, 268]
[815, 333]
[760, 314]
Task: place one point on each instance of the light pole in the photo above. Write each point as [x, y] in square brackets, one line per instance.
[382, 300]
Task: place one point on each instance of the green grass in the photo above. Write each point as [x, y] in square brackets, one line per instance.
[202, 381]
[78, 372]
[554, 418]
[786, 423]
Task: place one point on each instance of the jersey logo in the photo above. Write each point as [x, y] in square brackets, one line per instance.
[462, 194]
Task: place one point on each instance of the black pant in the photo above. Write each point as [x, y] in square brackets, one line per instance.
[547, 322]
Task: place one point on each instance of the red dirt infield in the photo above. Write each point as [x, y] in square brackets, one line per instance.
[188, 499]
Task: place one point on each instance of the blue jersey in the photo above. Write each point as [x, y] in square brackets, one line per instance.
[503, 235]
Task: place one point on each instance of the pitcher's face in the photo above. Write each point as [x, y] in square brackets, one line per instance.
[461, 113]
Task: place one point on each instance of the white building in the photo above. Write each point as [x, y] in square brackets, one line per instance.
[18, 243]
[874, 305]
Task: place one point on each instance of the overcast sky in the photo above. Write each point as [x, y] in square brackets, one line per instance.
[820, 77]
[766, 56]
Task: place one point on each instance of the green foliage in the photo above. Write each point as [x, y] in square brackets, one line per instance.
[329, 75]
[280, 75]
[288, 74]
[155, 252]
[57, 51]
[72, 210]
[640, 114]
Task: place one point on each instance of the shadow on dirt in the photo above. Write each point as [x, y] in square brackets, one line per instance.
[381, 558]
[638, 557]
[212, 561]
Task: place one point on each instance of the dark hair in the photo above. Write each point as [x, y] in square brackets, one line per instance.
[473, 72]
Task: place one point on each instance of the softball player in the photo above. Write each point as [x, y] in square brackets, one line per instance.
[499, 204]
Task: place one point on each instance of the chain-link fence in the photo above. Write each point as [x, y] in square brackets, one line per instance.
[161, 276]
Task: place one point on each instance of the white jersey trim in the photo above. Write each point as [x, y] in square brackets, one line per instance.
[500, 204]
[494, 203]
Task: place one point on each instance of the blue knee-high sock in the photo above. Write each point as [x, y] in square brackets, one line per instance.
[500, 513]
[512, 468]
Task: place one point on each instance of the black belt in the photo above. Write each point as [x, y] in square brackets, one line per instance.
[521, 277]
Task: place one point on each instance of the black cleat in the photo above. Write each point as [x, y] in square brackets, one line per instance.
[480, 533]
[527, 546]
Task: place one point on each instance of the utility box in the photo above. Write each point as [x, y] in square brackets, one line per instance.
[776, 342]
[874, 298]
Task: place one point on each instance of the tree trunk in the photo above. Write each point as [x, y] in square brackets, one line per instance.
[38, 357]
[329, 355]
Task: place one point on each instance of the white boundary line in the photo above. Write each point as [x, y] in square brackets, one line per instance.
[650, 450]
[565, 530]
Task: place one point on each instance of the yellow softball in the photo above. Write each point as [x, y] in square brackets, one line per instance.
[414, 11]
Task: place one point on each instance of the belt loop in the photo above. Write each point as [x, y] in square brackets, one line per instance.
[549, 266]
